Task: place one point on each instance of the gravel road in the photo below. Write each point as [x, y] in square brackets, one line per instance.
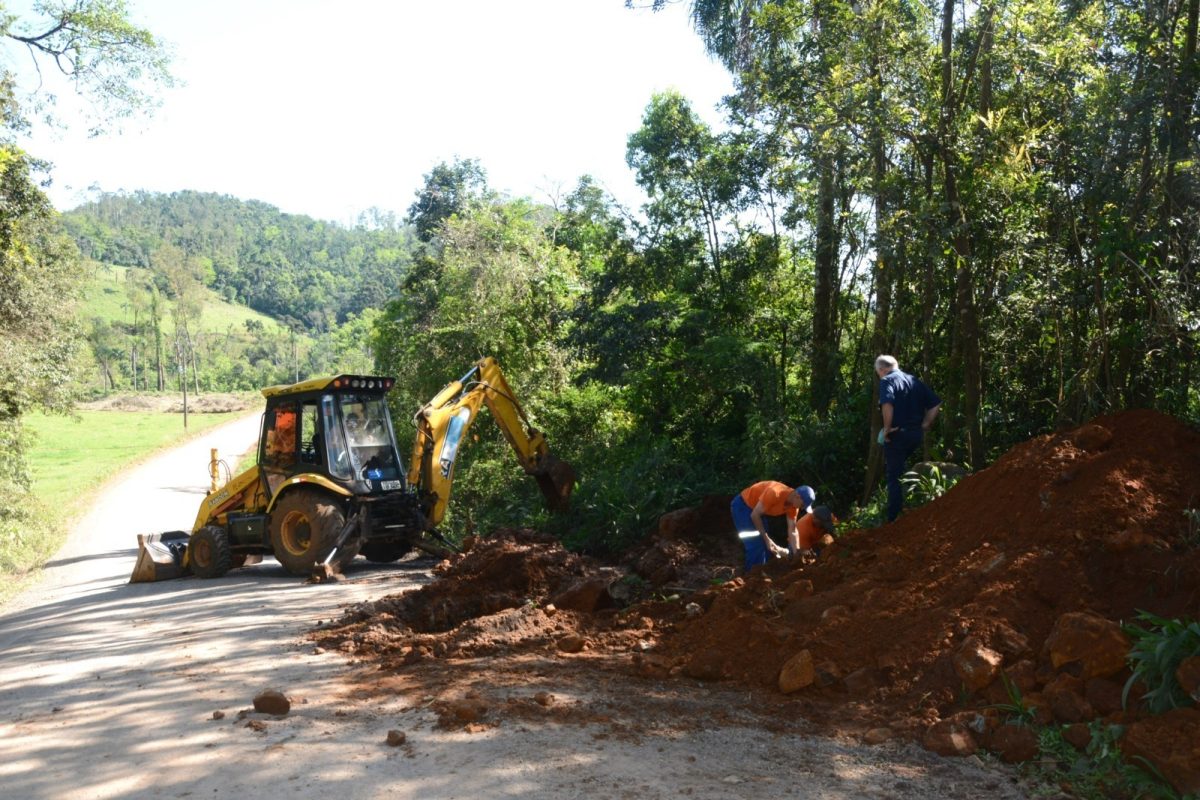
[112, 690]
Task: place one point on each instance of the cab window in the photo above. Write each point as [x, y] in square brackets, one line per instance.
[312, 447]
[279, 447]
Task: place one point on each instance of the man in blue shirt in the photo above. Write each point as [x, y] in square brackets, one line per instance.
[909, 408]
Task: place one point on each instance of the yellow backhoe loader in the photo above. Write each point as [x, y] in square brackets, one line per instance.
[329, 483]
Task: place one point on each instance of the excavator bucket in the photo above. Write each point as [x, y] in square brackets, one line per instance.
[556, 479]
[160, 557]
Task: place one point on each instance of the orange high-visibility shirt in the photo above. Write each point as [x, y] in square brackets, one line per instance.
[808, 532]
[773, 496]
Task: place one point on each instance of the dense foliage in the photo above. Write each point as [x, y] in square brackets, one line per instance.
[311, 273]
[110, 62]
[1004, 197]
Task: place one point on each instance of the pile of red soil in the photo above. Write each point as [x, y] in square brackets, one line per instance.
[501, 593]
[1023, 570]
[915, 621]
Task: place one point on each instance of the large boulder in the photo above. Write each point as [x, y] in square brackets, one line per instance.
[1171, 742]
[1091, 437]
[1096, 644]
[677, 524]
[1009, 642]
[1065, 694]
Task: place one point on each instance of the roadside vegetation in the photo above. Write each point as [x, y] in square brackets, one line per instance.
[1086, 760]
[1005, 200]
[66, 476]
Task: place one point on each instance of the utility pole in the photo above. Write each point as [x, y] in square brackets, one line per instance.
[182, 378]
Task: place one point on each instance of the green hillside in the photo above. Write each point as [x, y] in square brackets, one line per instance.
[106, 297]
[225, 346]
[313, 273]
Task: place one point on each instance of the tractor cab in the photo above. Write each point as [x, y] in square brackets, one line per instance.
[337, 428]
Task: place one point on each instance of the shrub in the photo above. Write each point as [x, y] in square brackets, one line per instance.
[1159, 645]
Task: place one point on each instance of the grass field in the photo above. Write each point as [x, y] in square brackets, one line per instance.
[105, 298]
[71, 456]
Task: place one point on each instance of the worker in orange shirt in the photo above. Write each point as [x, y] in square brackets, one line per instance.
[809, 530]
[767, 498]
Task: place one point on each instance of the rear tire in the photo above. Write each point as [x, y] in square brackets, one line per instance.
[304, 526]
[385, 552]
[208, 552]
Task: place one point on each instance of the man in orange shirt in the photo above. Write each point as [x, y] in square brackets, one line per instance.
[810, 528]
[767, 498]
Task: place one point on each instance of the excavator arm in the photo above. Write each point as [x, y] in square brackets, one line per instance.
[442, 425]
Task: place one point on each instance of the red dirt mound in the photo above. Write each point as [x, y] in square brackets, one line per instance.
[501, 593]
[906, 617]
[1023, 569]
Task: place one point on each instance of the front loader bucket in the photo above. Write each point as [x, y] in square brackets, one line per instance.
[556, 479]
[160, 557]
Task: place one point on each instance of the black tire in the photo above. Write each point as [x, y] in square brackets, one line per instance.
[385, 552]
[208, 552]
[304, 525]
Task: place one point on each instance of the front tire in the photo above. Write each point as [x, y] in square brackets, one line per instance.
[304, 526]
[208, 552]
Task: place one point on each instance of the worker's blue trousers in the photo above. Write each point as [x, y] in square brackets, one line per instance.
[896, 450]
[756, 551]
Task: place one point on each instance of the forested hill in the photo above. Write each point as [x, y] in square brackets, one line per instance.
[292, 267]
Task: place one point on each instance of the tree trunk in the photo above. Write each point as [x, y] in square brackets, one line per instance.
[192, 352]
[964, 354]
[156, 320]
[824, 348]
[882, 277]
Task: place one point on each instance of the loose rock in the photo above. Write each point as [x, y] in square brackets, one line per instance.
[1188, 676]
[950, 738]
[797, 673]
[572, 643]
[1014, 743]
[878, 735]
[1098, 644]
[1171, 742]
[272, 701]
[976, 664]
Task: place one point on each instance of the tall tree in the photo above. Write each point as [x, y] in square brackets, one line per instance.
[449, 189]
[108, 60]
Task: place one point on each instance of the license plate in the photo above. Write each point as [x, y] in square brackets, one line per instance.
[389, 486]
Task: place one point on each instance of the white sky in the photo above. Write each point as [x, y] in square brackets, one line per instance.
[329, 108]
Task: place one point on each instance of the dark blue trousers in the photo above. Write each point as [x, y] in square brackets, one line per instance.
[756, 551]
[896, 451]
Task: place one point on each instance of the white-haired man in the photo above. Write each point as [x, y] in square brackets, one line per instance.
[909, 408]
